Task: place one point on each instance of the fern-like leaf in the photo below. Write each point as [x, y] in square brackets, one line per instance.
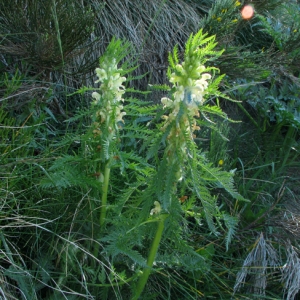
[231, 223]
[222, 178]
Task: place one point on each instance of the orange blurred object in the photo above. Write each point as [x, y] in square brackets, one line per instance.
[183, 198]
[247, 12]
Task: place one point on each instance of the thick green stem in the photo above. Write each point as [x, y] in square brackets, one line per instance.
[103, 204]
[154, 247]
[104, 195]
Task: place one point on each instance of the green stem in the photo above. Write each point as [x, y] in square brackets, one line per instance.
[104, 195]
[248, 115]
[154, 247]
[103, 204]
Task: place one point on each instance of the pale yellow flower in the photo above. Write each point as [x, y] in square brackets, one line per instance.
[166, 102]
[157, 208]
[96, 96]
[101, 74]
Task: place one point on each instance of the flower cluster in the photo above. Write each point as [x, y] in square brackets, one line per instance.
[190, 85]
[108, 110]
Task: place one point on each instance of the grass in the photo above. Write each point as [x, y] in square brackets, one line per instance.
[47, 235]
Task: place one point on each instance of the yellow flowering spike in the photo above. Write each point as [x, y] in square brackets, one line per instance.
[190, 85]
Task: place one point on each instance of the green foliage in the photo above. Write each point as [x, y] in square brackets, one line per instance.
[222, 18]
[44, 34]
[156, 204]
[284, 30]
[125, 237]
[279, 105]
